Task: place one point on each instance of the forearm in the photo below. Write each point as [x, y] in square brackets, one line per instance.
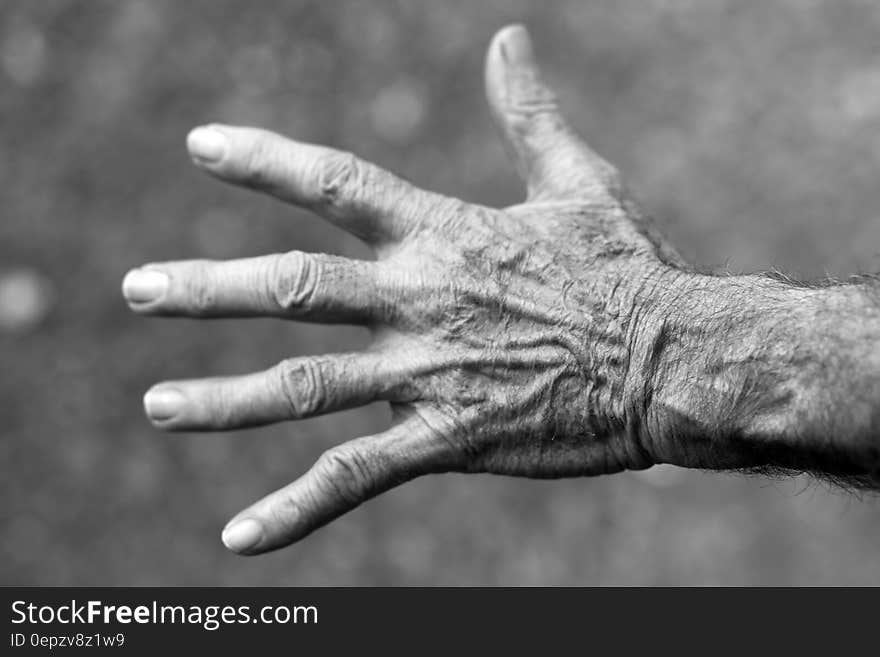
[751, 371]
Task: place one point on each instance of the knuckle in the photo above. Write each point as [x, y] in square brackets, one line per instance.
[303, 384]
[201, 290]
[284, 514]
[532, 106]
[257, 162]
[344, 474]
[340, 177]
[293, 279]
[218, 409]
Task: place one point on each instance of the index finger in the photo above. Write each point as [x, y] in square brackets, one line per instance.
[358, 196]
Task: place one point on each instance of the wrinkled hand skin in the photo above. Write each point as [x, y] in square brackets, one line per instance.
[545, 339]
[522, 335]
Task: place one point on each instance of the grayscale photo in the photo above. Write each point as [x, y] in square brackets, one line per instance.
[432, 294]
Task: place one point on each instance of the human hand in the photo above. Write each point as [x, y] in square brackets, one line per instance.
[519, 341]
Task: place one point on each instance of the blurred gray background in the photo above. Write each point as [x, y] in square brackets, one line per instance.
[751, 130]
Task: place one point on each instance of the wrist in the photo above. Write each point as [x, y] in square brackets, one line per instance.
[711, 361]
[663, 326]
[754, 372]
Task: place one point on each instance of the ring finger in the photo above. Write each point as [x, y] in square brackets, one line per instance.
[294, 389]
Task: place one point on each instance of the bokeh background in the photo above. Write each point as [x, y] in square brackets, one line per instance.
[751, 129]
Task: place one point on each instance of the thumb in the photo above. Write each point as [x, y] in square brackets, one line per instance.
[552, 159]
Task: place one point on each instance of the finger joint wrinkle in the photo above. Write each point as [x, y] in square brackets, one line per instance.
[294, 280]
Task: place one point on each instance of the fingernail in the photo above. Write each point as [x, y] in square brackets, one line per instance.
[207, 144]
[143, 285]
[242, 535]
[163, 404]
[517, 47]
